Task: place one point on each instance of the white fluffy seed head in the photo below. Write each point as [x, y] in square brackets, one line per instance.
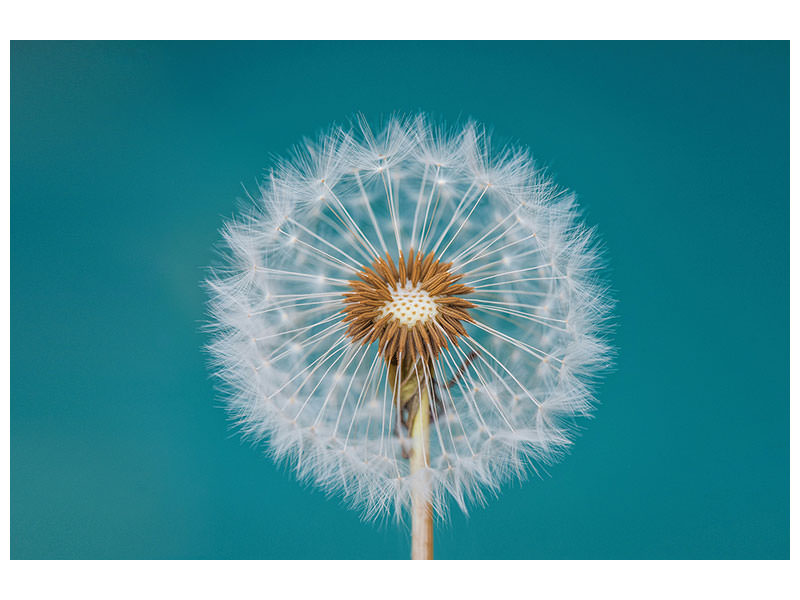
[505, 400]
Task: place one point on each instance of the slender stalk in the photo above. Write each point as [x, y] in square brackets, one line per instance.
[410, 388]
[421, 510]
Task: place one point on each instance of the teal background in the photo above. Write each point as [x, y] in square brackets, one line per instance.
[127, 156]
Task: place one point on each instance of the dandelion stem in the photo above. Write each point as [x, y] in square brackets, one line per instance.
[421, 509]
[410, 388]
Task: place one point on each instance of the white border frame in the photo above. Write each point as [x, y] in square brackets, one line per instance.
[412, 19]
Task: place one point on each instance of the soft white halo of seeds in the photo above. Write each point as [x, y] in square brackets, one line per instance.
[519, 383]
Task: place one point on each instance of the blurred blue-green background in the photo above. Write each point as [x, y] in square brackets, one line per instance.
[126, 157]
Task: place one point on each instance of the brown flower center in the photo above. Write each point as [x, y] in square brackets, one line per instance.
[411, 309]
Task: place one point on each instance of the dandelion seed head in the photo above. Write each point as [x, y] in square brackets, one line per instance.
[414, 249]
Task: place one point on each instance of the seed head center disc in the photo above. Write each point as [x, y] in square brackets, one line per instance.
[412, 308]
[410, 304]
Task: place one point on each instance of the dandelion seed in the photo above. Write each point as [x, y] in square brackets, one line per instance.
[409, 319]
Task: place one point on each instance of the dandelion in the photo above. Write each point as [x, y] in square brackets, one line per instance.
[408, 319]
